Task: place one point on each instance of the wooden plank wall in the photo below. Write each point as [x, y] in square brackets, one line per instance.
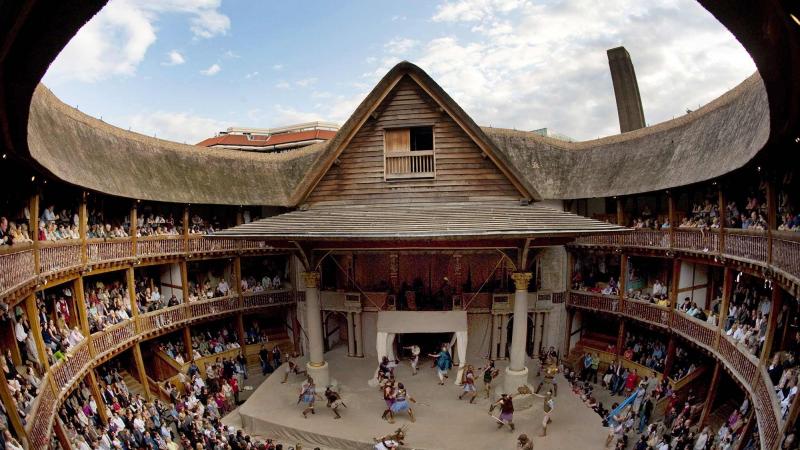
[462, 173]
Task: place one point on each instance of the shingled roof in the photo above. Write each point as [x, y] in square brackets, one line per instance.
[407, 221]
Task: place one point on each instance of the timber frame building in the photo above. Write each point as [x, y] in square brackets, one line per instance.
[409, 206]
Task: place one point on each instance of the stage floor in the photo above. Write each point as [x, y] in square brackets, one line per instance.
[443, 421]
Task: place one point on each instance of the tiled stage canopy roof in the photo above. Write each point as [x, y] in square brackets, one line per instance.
[412, 221]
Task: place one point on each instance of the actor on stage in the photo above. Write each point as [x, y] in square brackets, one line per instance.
[400, 404]
[334, 401]
[292, 367]
[443, 363]
[388, 398]
[308, 394]
[547, 408]
[415, 351]
[506, 417]
[468, 380]
[490, 372]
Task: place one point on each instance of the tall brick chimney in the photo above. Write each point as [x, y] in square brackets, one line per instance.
[626, 90]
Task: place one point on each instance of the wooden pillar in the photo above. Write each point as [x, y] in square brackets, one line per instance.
[137, 356]
[186, 225]
[33, 210]
[240, 330]
[772, 324]
[620, 212]
[676, 276]
[394, 276]
[78, 298]
[237, 276]
[727, 291]
[36, 329]
[459, 288]
[672, 216]
[711, 396]
[568, 333]
[772, 214]
[187, 342]
[620, 337]
[83, 226]
[134, 228]
[623, 282]
[61, 435]
[670, 358]
[11, 410]
[239, 216]
[94, 387]
[131, 280]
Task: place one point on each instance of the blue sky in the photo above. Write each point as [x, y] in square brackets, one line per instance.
[185, 69]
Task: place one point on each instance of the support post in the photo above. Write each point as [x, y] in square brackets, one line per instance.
[516, 373]
[670, 358]
[775, 307]
[351, 341]
[568, 334]
[623, 282]
[137, 356]
[134, 228]
[33, 210]
[316, 366]
[240, 330]
[184, 281]
[187, 343]
[727, 291]
[711, 396]
[36, 328]
[620, 212]
[61, 435]
[676, 277]
[620, 337]
[94, 388]
[83, 227]
[131, 280]
[11, 409]
[80, 305]
[357, 335]
[772, 214]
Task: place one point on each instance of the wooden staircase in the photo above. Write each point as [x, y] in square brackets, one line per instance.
[591, 340]
[134, 386]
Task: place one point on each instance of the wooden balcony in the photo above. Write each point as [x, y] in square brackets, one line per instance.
[18, 268]
[744, 366]
[109, 250]
[56, 257]
[410, 164]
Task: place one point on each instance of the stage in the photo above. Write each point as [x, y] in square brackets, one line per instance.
[443, 421]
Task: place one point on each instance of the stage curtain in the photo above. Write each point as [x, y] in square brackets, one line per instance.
[461, 346]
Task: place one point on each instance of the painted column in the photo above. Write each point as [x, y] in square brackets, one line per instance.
[351, 338]
[317, 367]
[516, 372]
[359, 340]
[503, 336]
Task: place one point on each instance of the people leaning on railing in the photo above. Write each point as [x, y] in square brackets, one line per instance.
[107, 305]
[266, 283]
[11, 233]
[213, 340]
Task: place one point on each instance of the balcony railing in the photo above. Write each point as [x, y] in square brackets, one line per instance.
[214, 306]
[56, 257]
[163, 318]
[746, 245]
[69, 369]
[18, 268]
[113, 337]
[160, 246]
[267, 298]
[109, 250]
[201, 245]
[744, 365]
[39, 429]
[410, 164]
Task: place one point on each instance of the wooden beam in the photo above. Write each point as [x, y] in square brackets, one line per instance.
[620, 212]
[36, 328]
[134, 228]
[137, 356]
[620, 337]
[11, 408]
[187, 342]
[80, 305]
[184, 280]
[727, 291]
[676, 276]
[670, 358]
[775, 307]
[94, 387]
[33, 209]
[61, 435]
[711, 395]
[131, 281]
[83, 226]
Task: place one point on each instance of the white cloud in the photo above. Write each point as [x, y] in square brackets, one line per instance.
[250, 75]
[212, 70]
[176, 126]
[277, 67]
[305, 82]
[231, 54]
[116, 40]
[283, 85]
[400, 46]
[174, 58]
[516, 64]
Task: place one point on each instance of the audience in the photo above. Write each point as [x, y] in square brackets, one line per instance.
[209, 290]
[214, 340]
[106, 305]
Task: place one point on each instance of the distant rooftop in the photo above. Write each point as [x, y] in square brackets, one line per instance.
[272, 139]
[551, 134]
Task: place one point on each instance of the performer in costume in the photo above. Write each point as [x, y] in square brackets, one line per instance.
[400, 403]
[548, 406]
[490, 372]
[308, 394]
[388, 397]
[415, 351]
[550, 372]
[506, 417]
[334, 401]
[443, 363]
[468, 380]
[292, 367]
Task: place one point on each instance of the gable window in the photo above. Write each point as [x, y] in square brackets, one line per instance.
[408, 153]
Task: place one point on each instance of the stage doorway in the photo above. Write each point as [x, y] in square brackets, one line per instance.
[427, 342]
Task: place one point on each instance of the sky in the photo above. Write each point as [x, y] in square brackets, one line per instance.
[186, 69]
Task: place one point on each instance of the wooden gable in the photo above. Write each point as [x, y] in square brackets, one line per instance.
[462, 172]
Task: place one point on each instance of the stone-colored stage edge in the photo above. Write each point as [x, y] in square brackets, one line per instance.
[443, 421]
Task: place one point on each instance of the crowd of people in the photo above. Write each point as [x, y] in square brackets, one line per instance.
[23, 384]
[208, 289]
[106, 304]
[174, 348]
[748, 313]
[149, 298]
[266, 283]
[214, 340]
[11, 233]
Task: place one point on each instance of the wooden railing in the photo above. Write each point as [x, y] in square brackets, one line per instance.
[266, 298]
[706, 241]
[17, 264]
[55, 257]
[162, 318]
[113, 337]
[109, 250]
[745, 367]
[200, 244]
[590, 300]
[73, 366]
[746, 245]
[411, 164]
[214, 306]
[160, 246]
[649, 312]
[39, 429]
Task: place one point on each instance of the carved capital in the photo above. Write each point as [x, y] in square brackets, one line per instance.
[521, 280]
[311, 279]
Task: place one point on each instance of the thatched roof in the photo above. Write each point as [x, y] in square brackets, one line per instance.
[714, 140]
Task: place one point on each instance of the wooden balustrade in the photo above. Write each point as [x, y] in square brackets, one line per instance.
[113, 337]
[55, 257]
[247, 244]
[594, 301]
[786, 254]
[41, 424]
[109, 250]
[155, 320]
[410, 164]
[200, 245]
[267, 298]
[644, 238]
[648, 312]
[768, 412]
[213, 306]
[69, 369]
[696, 240]
[160, 246]
[747, 245]
[694, 330]
[18, 267]
[736, 357]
